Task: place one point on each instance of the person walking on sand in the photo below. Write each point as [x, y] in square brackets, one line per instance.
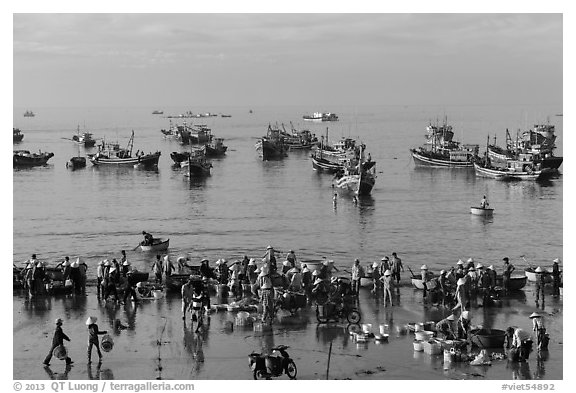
[396, 267]
[266, 294]
[57, 340]
[556, 277]
[357, 273]
[539, 284]
[388, 283]
[93, 333]
[187, 292]
[540, 329]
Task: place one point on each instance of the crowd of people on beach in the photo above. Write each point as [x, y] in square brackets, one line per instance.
[268, 285]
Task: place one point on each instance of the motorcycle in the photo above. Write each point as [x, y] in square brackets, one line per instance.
[268, 366]
[335, 311]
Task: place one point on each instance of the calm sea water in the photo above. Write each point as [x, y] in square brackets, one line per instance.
[246, 204]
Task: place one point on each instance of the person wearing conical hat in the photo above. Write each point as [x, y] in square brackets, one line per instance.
[424, 276]
[463, 325]
[387, 284]
[168, 266]
[251, 271]
[234, 281]
[385, 265]
[57, 340]
[460, 271]
[93, 333]
[99, 278]
[376, 277]
[294, 276]
[270, 258]
[223, 272]
[264, 283]
[540, 276]
[556, 277]
[540, 329]
[445, 327]
[307, 280]
[110, 283]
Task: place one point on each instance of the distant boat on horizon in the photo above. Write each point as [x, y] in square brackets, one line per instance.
[157, 112]
[29, 114]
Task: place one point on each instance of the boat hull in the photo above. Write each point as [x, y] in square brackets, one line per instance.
[515, 283]
[148, 160]
[533, 277]
[76, 163]
[487, 338]
[269, 151]
[422, 160]
[360, 185]
[479, 211]
[159, 245]
[32, 160]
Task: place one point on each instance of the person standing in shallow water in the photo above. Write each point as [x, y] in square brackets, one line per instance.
[93, 333]
[396, 267]
[57, 340]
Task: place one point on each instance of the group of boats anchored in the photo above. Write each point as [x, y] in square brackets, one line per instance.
[530, 156]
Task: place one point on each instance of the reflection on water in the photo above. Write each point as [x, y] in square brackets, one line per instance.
[58, 376]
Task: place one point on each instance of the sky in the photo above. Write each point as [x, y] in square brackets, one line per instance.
[62, 60]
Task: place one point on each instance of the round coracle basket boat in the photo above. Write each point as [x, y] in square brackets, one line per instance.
[487, 338]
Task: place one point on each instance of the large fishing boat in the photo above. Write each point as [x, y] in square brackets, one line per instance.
[442, 151]
[522, 168]
[321, 116]
[298, 139]
[17, 135]
[332, 158]
[216, 148]
[272, 146]
[23, 158]
[359, 176]
[112, 154]
[199, 134]
[539, 142]
[197, 164]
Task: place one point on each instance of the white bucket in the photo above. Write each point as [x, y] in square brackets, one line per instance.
[423, 335]
[157, 294]
[418, 346]
[367, 327]
[448, 356]
[384, 329]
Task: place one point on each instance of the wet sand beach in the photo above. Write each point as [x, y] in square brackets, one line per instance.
[157, 343]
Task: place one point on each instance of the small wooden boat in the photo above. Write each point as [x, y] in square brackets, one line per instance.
[157, 245]
[113, 155]
[516, 282]
[532, 276]
[23, 158]
[419, 284]
[481, 211]
[17, 135]
[487, 338]
[157, 112]
[76, 163]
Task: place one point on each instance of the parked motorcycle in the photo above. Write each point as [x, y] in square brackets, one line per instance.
[268, 366]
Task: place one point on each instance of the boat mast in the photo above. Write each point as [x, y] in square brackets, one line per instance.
[130, 143]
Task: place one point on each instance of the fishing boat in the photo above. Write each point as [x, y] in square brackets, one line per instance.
[216, 148]
[29, 114]
[223, 115]
[23, 158]
[487, 338]
[298, 140]
[159, 244]
[199, 134]
[321, 116]
[359, 176]
[271, 146]
[418, 283]
[332, 158]
[537, 144]
[481, 211]
[179, 157]
[441, 150]
[515, 283]
[197, 164]
[84, 138]
[76, 163]
[113, 155]
[157, 112]
[532, 276]
[17, 135]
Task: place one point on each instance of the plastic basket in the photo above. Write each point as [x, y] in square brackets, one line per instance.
[60, 352]
[107, 343]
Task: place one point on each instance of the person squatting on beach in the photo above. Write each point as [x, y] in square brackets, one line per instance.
[518, 342]
[57, 340]
[93, 333]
